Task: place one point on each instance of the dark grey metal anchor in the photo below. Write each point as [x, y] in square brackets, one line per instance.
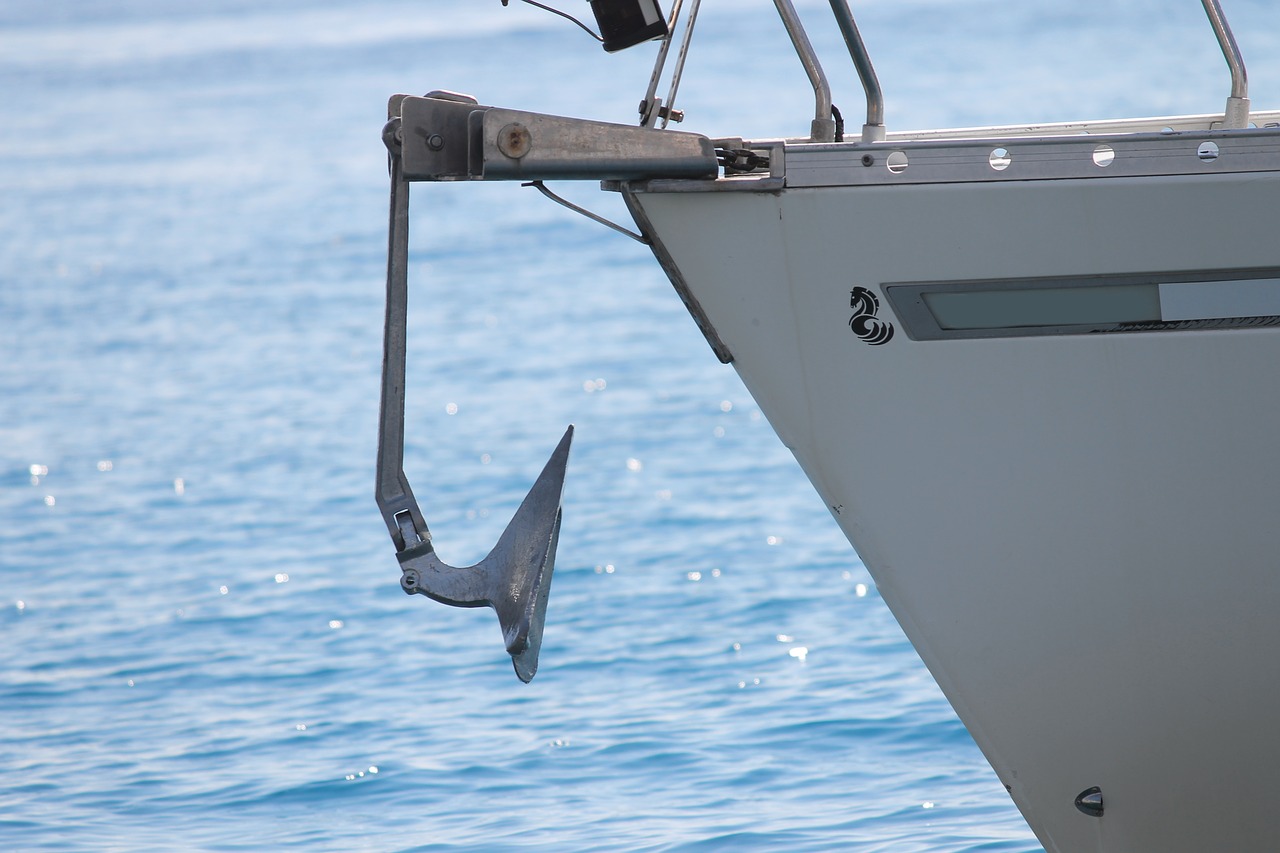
[515, 578]
[446, 136]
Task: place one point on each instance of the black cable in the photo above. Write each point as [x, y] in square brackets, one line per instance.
[589, 31]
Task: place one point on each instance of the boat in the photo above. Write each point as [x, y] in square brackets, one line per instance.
[1030, 370]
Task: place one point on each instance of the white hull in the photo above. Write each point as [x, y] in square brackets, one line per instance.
[1078, 532]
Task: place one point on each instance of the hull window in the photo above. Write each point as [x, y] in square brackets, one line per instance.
[1156, 302]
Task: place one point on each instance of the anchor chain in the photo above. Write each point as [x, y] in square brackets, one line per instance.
[737, 160]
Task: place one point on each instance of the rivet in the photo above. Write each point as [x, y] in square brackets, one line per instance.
[435, 142]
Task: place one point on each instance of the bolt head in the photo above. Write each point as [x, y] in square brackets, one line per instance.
[514, 140]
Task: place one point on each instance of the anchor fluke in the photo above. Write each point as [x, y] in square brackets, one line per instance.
[515, 578]
[528, 550]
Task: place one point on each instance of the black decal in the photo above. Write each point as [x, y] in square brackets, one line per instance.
[864, 322]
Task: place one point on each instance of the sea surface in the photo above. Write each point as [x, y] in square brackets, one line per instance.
[203, 643]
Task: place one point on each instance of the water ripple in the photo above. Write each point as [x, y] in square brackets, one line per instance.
[204, 642]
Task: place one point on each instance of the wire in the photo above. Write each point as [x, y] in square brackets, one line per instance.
[589, 31]
[542, 188]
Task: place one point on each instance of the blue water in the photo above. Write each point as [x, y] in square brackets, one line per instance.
[203, 645]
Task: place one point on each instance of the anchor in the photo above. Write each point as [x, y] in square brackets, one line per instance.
[447, 136]
[515, 578]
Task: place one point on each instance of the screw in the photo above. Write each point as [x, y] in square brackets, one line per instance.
[867, 159]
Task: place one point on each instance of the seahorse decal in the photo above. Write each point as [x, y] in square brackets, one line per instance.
[864, 322]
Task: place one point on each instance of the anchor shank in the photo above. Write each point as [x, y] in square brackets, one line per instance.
[395, 499]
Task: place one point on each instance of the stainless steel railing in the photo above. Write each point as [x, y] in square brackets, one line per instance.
[1237, 112]
[654, 113]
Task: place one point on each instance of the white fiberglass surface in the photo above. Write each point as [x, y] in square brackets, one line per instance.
[1073, 530]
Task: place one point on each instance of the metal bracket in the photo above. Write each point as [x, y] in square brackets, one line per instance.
[445, 138]
[515, 578]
